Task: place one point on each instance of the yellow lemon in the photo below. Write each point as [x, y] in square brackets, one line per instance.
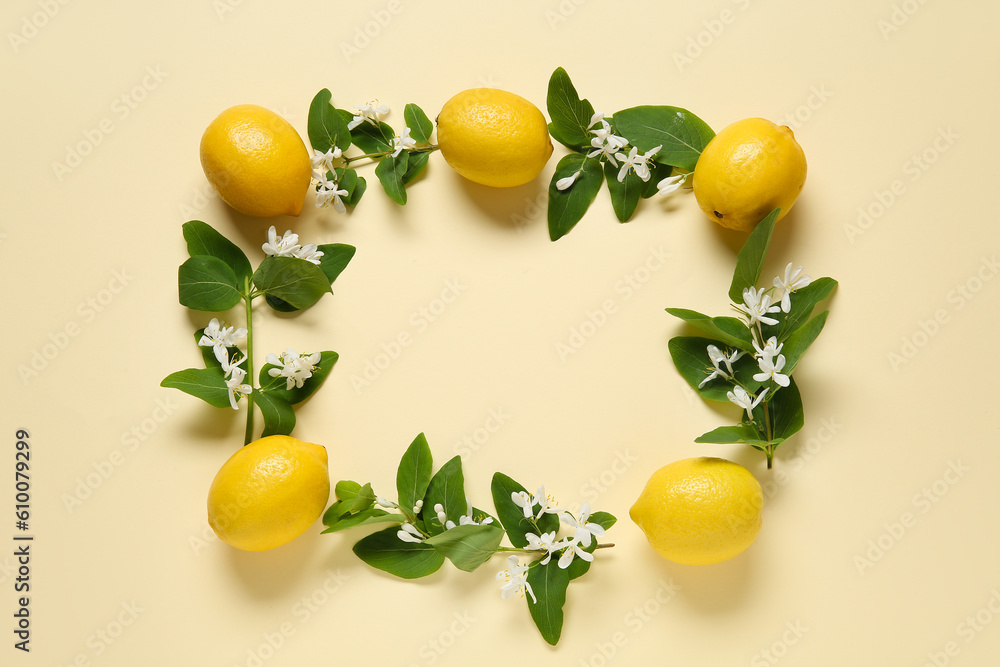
[746, 171]
[493, 137]
[700, 511]
[256, 161]
[269, 492]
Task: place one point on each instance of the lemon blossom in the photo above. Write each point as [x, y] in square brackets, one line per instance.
[585, 531]
[285, 246]
[639, 163]
[309, 252]
[409, 533]
[605, 143]
[565, 182]
[670, 184]
[793, 281]
[770, 369]
[757, 306]
[526, 502]
[740, 397]
[219, 338]
[515, 579]
[234, 384]
[716, 356]
[368, 112]
[403, 141]
[770, 350]
[322, 163]
[572, 549]
[295, 367]
[330, 192]
[545, 542]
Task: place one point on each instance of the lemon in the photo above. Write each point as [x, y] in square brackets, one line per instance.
[700, 511]
[493, 137]
[269, 492]
[746, 171]
[256, 161]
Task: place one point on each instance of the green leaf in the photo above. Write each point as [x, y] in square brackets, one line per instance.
[420, 125]
[207, 283]
[690, 357]
[414, 473]
[800, 340]
[742, 433]
[415, 164]
[681, 135]
[785, 411]
[362, 501]
[358, 190]
[570, 115]
[202, 239]
[549, 583]
[603, 519]
[512, 517]
[369, 516]
[373, 138]
[326, 127]
[803, 302]
[469, 546]
[566, 207]
[296, 281]
[408, 560]
[750, 259]
[390, 172]
[208, 384]
[625, 195]
[279, 417]
[447, 487]
[346, 490]
[729, 330]
[277, 386]
[336, 257]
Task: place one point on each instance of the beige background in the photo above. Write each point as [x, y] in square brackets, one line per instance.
[879, 543]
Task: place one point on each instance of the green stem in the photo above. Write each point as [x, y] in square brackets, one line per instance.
[247, 299]
[378, 156]
[535, 551]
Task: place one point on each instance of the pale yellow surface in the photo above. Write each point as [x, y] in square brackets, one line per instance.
[897, 462]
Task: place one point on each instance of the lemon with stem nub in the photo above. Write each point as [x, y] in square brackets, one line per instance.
[700, 511]
[746, 171]
[269, 492]
[493, 137]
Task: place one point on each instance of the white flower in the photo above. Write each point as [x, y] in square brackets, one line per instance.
[770, 369]
[295, 367]
[379, 500]
[369, 113]
[310, 253]
[219, 338]
[770, 350]
[716, 356]
[670, 184]
[792, 282]
[286, 246]
[585, 530]
[468, 520]
[330, 192]
[237, 389]
[565, 183]
[639, 163]
[756, 306]
[409, 533]
[515, 579]
[573, 549]
[323, 162]
[740, 397]
[526, 502]
[403, 141]
[604, 142]
[545, 542]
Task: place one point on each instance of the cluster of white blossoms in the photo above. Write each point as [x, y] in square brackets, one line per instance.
[287, 245]
[295, 367]
[757, 309]
[220, 338]
[324, 165]
[609, 146]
